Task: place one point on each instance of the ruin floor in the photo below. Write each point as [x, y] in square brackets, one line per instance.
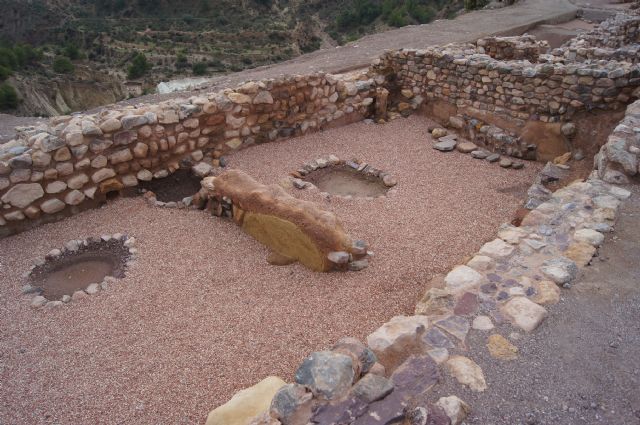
[201, 314]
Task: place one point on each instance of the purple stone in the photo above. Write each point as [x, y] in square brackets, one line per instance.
[511, 283]
[494, 277]
[436, 338]
[502, 296]
[489, 288]
[467, 304]
[530, 291]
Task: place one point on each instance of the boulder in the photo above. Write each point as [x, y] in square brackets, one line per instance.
[291, 405]
[246, 404]
[327, 374]
[372, 387]
[362, 356]
[394, 341]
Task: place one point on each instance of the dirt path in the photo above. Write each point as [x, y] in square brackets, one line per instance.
[582, 366]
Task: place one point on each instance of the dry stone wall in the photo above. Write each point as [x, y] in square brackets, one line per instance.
[76, 161]
[616, 38]
[618, 160]
[511, 81]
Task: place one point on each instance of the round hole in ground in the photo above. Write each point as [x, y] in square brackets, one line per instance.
[73, 271]
[175, 187]
[343, 180]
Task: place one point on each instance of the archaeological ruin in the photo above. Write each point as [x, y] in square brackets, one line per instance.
[560, 127]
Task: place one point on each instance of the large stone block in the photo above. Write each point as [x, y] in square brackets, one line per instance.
[246, 404]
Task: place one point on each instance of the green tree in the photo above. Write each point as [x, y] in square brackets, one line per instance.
[8, 97]
[62, 65]
[139, 66]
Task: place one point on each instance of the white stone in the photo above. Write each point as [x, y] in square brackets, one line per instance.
[606, 201]
[456, 409]
[38, 301]
[511, 234]
[144, 175]
[482, 323]
[481, 263]
[497, 249]
[76, 182]
[524, 313]
[56, 187]
[246, 404]
[52, 206]
[74, 197]
[619, 192]
[462, 279]
[589, 236]
[22, 195]
[93, 289]
[560, 269]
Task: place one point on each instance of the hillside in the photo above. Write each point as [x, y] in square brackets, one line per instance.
[149, 41]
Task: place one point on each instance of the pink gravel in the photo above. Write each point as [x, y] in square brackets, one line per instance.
[202, 315]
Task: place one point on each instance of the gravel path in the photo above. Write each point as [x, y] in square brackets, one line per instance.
[202, 315]
[582, 366]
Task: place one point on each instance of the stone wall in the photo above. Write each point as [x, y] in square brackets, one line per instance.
[616, 38]
[510, 83]
[618, 160]
[76, 161]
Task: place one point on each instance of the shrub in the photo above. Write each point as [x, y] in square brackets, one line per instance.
[182, 61]
[72, 52]
[4, 73]
[139, 66]
[8, 58]
[8, 97]
[396, 18]
[199, 68]
[62, 65]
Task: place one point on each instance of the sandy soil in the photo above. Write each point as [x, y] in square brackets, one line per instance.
[201, 314]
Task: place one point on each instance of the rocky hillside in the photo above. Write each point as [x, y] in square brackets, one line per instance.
[149, 41]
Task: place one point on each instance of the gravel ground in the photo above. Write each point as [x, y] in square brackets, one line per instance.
[202, 315]
[582, 366]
